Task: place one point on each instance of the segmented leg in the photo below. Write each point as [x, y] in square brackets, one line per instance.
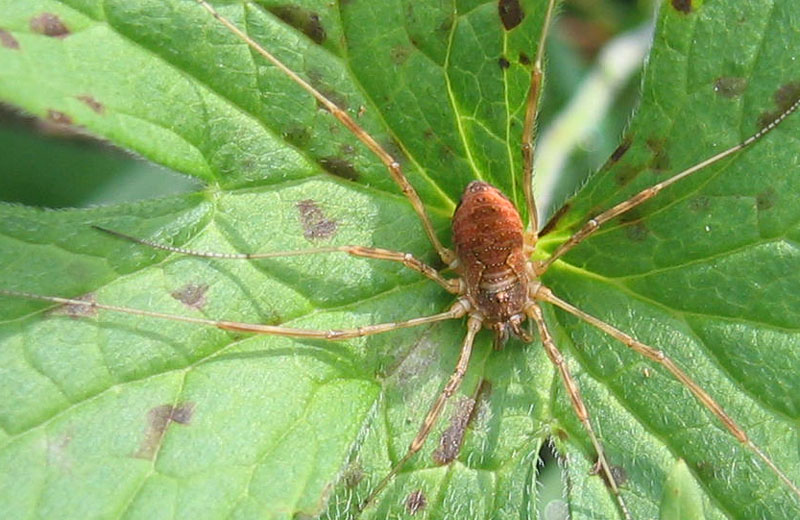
[648, 193]
[529, 128]
[473, 326]
[451, 285]
[390, 162]
[659, 357]
[457, 310]
[535, 313]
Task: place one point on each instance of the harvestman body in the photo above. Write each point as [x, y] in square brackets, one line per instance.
[498, 286]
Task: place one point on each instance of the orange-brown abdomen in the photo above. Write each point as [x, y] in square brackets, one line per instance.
[488, 237]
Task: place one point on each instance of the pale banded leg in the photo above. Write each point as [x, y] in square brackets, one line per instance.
[602, 465]
[457, 310]
[451, 285]
[648, 193]
[529, 128]
[390, 162]
[659, 357]
[474, 324]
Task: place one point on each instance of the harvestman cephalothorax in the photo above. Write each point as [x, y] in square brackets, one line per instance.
[497, 284]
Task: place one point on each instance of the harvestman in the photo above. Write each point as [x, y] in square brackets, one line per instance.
[498, 286]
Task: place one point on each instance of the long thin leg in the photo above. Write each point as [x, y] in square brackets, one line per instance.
[659, 357]
[391, 163]
[648, 193]
[529, 129]
[473, 326]
[535, 313]
[451, 285]
[457, 310]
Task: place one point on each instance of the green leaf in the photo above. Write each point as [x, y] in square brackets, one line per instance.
[111, 415]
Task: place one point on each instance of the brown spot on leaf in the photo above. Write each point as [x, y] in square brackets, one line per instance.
[302, 19]
[787, 95]
[511, 13]
[74, 310]
[503, 62]
[416, 502]
[524, 59]
[551, 224]
[92, 103]
[683, 6]
[7, 40]
[399, 54]
[699, 204]
[623, 147]
[730, 86]
[158, 420]
[192, 295]
[317, 81]
[339, 167]
[315, 224]
[58, 118]
[637, 232]
[660, 160]
[49, 24]
[625, 173]
[766, 199]
[784, 98]
[451, 439]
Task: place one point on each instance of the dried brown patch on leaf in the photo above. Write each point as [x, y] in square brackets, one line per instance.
[730, 86]
[511, 13]
[158, 420]
[7, 40]
[74, 310]
[315, 224]
[623, 147]
[92, 103]
[192, 295]
[452, 438]
[524, 59]
[415, 502]
[49, 24]
[503, 62]
[302, 19]
[339, 167]
[784, 98]
[683, 6]
[58, 118]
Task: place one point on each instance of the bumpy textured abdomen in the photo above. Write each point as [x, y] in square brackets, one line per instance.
[487, 234]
